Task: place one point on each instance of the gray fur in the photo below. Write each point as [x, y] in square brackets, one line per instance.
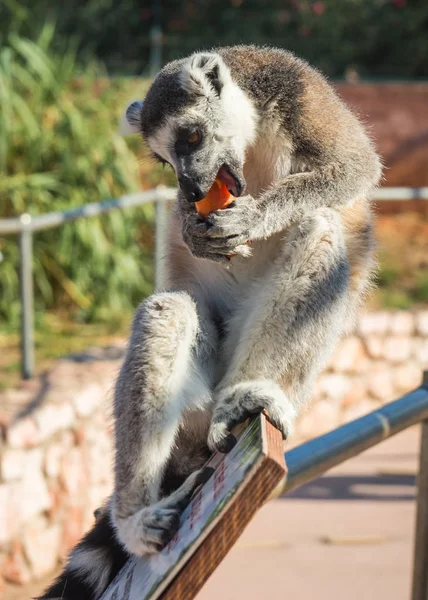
[258, 294]
[264, 288]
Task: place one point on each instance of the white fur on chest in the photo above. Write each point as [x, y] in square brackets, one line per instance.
[269, 159]
[246, 271]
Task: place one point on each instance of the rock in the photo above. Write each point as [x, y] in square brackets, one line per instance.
[88, 400]
[356, 393]
[99, 460]
[10, 521]
[334, 385]
[34, 493]
[358, 410]
[350, 355]
[322, 417]
[402, 323]
[374, 323]
[52, 418]
[397, 349]
[407, 377]
[22, 434]
[422, 354]
[12, 464]
[73, 475]
[22, 500]
[72, 529]
[15, 568]
[55, 453]
[379, 383]
[422, 323]
[374, 345]
[41, 546]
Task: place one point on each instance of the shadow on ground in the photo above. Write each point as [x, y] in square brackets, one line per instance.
[389, 488]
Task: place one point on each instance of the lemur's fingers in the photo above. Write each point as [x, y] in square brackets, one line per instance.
[182, 496]
[240, 218]
[236, 403]
[243, 250]
[197, 228]
[151, 528]
[217, 250]
[160, 528]
[220, 439]
[221, 227]
[227, 246]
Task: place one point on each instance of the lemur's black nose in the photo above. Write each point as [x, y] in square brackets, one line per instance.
[191, 190]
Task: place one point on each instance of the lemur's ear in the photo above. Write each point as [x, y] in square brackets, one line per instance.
[131, 119]
[205, 74]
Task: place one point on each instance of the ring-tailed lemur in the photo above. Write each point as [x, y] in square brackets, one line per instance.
[256, 295]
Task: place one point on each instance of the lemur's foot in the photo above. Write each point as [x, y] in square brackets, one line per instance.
[234, 404]
[150, 529]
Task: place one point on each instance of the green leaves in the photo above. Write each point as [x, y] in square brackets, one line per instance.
[59, 149]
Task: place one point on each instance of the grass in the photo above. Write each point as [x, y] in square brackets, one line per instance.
[402, 279]
[56, 335]
[402, 284]
[59, 149]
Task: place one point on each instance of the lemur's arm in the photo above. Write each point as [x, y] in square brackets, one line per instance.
[339, 165]
[334, 184]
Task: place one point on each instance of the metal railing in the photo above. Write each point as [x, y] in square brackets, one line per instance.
[26, 225]
[315, 457]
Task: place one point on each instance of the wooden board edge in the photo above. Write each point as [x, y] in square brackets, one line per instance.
[243, 507]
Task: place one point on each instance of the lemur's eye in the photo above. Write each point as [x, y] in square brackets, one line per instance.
[160, 160]
[194, 138]
[187, 141]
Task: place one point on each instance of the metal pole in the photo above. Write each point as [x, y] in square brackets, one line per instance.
[26, 288]
[156, 39]
[313, 458]
[160, 235]
[420, 559]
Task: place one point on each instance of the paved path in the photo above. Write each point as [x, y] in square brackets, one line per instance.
[365, 508]
[346, 536]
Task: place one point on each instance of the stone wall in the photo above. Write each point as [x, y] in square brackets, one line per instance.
[380, 361]
[55, 462]
[56, 456]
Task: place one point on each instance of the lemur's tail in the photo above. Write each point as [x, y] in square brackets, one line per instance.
[92, 564]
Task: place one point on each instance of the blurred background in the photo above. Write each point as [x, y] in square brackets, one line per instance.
[67, 70]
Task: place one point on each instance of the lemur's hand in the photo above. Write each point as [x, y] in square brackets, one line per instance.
[236, 223]
[206, 240]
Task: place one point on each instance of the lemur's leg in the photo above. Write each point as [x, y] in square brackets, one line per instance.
[168, 367]
[283, 335]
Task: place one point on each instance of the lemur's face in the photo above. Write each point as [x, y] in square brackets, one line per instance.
[198, 120]
[198, 147]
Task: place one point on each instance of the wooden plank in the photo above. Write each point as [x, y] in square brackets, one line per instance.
[217, 515]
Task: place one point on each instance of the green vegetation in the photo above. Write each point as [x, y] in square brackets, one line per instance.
[376, 38]
[59, 149]
[402, 278]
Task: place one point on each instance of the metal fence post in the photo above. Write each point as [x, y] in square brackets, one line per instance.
[156, 39]
[26, 289]
[160, 233]
[420, 559]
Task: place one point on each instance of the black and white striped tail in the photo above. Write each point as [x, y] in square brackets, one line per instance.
[92, 564]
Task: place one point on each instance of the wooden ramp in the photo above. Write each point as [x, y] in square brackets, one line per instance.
[242, 482]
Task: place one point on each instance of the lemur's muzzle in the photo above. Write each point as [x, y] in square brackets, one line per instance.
[191, 190]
